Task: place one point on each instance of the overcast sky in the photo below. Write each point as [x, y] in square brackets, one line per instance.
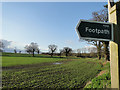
[46, 23]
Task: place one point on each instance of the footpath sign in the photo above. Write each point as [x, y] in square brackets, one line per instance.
[95, 30]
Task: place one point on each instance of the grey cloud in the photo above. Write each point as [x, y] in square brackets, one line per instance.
[9, 46]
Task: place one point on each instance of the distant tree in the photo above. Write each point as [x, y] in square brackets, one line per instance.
[92, 50]
[31, 48]
[28, 49]
[15, 51]
[19, 51]
[52, 49]
[67, 51]
[102, 16]
[38, 50]
[84, 49]
[79, 52]
[61, 51]
[98, 45]
[2, 46]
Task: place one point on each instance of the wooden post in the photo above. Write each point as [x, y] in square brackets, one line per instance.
[114, 17]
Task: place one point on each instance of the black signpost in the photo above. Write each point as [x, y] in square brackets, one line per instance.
[95, 30]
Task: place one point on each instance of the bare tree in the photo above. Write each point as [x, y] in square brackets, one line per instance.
[98, 45]
[2, 46]
[60, 53]
[92, 50]
[67, 51]
[79, 52]
[31, 48]
[20, 51]
[28, 49]
[84, 49]
[15, 51]
[38, 50]
[102, 16]
[52, 49]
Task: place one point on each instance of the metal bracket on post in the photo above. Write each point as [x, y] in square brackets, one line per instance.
[111, 3]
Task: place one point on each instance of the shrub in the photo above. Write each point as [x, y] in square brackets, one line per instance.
[102, 81]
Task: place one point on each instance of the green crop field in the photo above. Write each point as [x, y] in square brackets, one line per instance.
[39, 72]
[13, 61]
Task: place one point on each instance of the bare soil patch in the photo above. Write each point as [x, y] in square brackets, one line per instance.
[102, 72]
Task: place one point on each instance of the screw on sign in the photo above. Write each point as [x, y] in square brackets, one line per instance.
[94, 30]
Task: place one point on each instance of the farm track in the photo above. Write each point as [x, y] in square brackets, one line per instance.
[34, 65]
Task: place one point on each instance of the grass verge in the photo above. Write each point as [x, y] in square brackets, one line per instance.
[103, 80]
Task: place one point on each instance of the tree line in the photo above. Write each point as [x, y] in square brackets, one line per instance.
[33, 47]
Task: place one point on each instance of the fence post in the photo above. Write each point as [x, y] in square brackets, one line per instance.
[114, 17]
